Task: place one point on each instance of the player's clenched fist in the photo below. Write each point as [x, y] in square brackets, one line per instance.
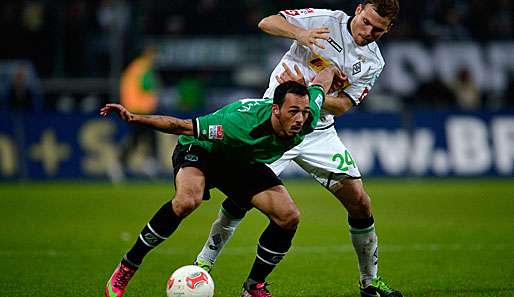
[310, 38]
[120, 109]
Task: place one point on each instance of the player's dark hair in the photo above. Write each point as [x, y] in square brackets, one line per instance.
[386, 8]
[288, 87]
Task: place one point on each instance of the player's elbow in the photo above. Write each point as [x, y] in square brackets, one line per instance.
[263, 24]
[268, 23]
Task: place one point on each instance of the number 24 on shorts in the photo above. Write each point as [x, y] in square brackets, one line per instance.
[344, 160]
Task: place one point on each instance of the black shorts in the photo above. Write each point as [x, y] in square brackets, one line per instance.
[239, 181]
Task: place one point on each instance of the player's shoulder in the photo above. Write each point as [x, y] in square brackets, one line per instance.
[374, 55]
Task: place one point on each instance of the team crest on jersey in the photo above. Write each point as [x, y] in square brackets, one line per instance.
[215, 132]
[356, 68]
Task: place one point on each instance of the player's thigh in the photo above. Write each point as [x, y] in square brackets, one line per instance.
[190, 167]
[352, 195]
[326, 158]
[190, 184]
[277, 204]
[241, 181]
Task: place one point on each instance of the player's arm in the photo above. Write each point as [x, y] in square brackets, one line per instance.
[277, 25]
[166, 124]
[337, 105]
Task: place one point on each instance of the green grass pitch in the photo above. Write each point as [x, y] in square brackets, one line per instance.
[437, 237]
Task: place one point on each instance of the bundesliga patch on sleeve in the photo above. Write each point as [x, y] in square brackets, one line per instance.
[297, 12]
[215, 132]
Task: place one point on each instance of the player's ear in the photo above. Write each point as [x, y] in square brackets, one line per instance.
[275, 109]
[359, 9]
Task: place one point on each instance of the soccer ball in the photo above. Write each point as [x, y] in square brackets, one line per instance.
[190, 281]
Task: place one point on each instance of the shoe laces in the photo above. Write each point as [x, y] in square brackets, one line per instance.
[122, 277]
[380, 283]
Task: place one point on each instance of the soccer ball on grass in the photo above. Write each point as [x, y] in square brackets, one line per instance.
[190, 281]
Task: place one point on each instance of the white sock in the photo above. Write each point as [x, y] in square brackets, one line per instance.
[221, 232]
[365, 243]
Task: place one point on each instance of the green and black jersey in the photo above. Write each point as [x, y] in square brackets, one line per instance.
[243, 129]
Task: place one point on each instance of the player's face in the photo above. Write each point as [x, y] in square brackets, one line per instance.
[292, 115]
[367, 25]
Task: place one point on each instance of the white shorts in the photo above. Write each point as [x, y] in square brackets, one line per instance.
[323, 156]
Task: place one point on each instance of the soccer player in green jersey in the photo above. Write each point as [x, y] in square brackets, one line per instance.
[229, 150]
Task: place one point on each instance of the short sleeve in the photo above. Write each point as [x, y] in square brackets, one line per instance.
[307, 17]
[358, 90]
[316, 99]
[230, 124]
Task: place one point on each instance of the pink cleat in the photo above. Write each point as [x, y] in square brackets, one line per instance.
[116, 285]
[255, 290]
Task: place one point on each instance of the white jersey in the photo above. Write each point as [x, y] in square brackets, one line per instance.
[362, 64]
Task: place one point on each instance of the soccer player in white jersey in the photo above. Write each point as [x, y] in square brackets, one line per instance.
[322, 37]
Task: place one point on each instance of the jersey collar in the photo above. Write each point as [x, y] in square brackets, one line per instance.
[348, 25]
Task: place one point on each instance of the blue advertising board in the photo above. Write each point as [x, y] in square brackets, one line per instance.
[54, 146]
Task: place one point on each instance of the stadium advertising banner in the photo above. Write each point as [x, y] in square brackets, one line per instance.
[42, 146]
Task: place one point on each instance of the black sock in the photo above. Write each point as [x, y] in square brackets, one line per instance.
[273, 245]
[235, 211]
[160, 227]
[361, 223]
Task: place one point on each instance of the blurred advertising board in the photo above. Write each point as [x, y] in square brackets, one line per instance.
[53, 146]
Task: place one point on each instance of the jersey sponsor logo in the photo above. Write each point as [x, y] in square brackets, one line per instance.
[356, 68]
[215, 132]
[297, 12]
[334, 44]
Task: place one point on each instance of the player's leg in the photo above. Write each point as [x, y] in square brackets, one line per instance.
[257, 185]
[222, 229]
[327, 159]
[351, 193]
[190, 184]
[229, 217]
[275, 241]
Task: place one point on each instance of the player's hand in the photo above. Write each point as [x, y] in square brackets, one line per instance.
[339, 80]
[327, 76]
[337, 77]
[311, 38]
[288, 75]
[118, 108]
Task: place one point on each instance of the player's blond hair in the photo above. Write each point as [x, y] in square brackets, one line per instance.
[386, 8]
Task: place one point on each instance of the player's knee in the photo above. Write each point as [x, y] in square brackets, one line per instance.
[183, 206]
[289, 219]
[364, 204]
